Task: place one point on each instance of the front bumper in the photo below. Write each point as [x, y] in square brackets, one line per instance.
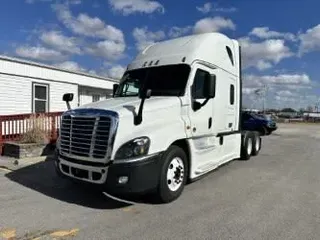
[272, 128]
[142, 174]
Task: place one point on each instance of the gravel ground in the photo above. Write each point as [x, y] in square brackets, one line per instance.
[273, 196]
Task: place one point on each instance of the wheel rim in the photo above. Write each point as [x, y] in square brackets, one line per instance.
[175, 174]
[249, 148]
[258, 144]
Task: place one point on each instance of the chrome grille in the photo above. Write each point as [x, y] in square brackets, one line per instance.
[84, 136]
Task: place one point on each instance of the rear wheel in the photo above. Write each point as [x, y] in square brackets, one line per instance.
[256, 144]
[173, 175]
[247, 147]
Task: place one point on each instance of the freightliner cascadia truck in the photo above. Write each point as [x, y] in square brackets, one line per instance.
[174, 116]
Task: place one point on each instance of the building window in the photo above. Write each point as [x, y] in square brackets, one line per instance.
[231, 94]
[95, 98]
[198, 84]
[40, 98]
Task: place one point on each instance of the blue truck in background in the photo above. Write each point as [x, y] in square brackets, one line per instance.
[255, 122]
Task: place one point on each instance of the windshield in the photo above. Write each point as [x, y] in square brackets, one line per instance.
[167, 80]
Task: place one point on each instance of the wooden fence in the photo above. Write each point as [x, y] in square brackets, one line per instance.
[12, 127]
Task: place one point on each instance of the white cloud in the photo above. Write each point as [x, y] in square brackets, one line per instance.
[264, 54]
[107, 49]
[286, 93]
[206, 8]
[284, 90]
[281, 80]
[310, 41]
[88, 26]
[144, 37]
[33, 1]
[128, 7]
[266, 33]
[285, 99]
[112, 45]
[248, 91]
[263, 65]
[70, 65]
[60, 42]
[73, 2]
[213, 25]
[115, 71]
[209, 7]
[39, 53]
[179, 31]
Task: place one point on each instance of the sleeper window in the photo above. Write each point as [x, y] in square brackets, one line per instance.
[40, 98]
[230, 55]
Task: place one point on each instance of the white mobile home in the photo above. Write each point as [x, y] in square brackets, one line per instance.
[28, 87]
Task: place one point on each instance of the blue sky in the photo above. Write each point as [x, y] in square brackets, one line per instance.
[280, 38]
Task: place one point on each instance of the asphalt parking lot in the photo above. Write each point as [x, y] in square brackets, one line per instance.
[275, 195]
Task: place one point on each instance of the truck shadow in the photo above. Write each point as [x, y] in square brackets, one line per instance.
[41, 177]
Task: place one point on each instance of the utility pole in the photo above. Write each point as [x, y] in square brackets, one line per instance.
[262, 93]
[265, 89]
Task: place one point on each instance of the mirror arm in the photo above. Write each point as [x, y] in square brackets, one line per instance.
[68, 105]
[138, 117]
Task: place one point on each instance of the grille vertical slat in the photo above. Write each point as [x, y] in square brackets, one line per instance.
[85, 136]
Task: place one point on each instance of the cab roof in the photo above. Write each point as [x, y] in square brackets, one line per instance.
[213, 48]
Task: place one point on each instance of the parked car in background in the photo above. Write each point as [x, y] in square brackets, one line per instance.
[256, 122]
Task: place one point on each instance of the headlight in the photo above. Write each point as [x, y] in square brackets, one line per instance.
[134, 148]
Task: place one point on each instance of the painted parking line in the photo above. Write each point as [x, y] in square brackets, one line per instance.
[4, 169]
[65, 233]
[119, 199]
[8, 233]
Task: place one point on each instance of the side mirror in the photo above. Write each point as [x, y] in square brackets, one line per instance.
[67, 97]
[209, 88]
[145, 94]
[115, 88]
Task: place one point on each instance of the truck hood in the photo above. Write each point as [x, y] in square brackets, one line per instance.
[125, 106]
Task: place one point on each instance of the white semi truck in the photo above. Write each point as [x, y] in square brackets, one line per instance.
[175, 115]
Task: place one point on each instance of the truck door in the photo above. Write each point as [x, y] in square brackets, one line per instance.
[203, 137]
[201, 119]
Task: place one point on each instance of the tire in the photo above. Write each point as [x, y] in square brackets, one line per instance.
[264, 131]
[247, 146]
[256, 144]
[174, 162]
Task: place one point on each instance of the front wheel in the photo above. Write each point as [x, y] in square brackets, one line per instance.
[173, 175]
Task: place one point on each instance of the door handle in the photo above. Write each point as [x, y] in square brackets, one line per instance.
[209, 122]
